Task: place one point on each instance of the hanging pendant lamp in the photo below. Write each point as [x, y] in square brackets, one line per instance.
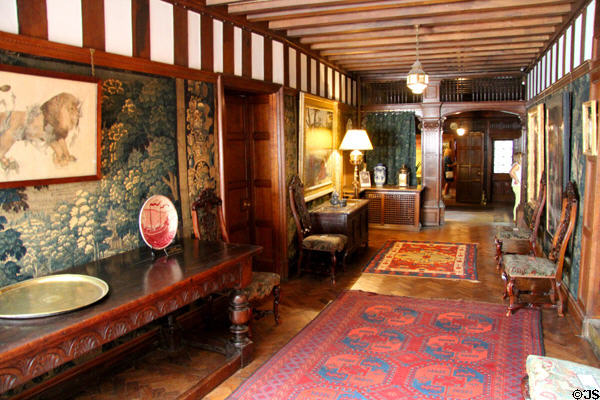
[417, 79]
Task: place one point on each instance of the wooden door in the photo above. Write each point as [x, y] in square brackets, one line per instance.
[469, 167]
[248, 138]
[236, 162]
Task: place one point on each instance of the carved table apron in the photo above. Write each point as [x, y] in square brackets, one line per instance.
[142, 289]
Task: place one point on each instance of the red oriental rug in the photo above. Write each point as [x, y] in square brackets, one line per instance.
[369, 346]
[426, 259]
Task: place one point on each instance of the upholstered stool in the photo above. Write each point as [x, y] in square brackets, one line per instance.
[551, 378]
[263, 284]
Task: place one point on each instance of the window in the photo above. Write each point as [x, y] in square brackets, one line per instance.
[503, 152]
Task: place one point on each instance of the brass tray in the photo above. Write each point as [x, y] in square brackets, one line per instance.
[50, 295]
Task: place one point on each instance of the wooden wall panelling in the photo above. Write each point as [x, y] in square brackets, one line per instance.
[431, 137]
[92, 13]
[140, 14]
[298, 71]
[206, 43]
[268, 59]
[309, 87]
[246, 53]
[286, 65]
[33, 18]
[228, 56]
[180, 35]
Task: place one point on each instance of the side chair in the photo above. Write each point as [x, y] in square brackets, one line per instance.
[519, 266]
[208, 220]
[308, 240]
[509, 240]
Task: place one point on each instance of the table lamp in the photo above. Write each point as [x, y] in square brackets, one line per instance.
[356, 140]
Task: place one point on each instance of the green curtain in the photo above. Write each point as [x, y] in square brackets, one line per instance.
[393, 137]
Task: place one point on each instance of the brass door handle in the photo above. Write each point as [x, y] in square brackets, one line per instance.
[246, 204]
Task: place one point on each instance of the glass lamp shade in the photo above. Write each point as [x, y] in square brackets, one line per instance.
[356, 139]
[417, 79]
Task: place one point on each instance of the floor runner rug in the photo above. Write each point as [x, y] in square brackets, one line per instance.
[369, 346]
[426, 259]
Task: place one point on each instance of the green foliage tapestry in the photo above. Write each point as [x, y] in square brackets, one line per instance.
[393, 137]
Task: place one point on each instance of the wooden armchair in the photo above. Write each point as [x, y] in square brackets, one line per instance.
[207, 217]
[308, 240]
[511, 240]
[518, 266]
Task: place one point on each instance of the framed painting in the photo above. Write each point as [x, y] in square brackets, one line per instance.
[590, 128]
[365, 179]
[318, 139]
[535, 151]
[49, 127]
[557, 158]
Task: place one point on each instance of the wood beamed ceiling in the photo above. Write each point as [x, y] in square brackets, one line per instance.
[376, 38]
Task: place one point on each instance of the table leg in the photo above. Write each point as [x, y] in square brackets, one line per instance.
[239, 315]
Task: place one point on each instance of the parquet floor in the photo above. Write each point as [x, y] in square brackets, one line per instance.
[303, 298]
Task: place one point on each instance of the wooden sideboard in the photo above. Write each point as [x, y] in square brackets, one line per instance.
[351, 220]
[141, 290]
[394, 207]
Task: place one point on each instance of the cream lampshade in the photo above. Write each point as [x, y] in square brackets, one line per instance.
[356, 140]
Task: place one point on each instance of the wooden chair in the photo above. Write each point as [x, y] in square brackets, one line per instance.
[518, 239]
[519, 266]
[207, 217]
[308, 240]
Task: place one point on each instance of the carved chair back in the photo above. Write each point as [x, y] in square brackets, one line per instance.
[299, 208]
[564, 230]
[537, 213]
[207, 217]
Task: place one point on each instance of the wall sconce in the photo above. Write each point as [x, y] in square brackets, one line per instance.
[460, 131]
[356, 140]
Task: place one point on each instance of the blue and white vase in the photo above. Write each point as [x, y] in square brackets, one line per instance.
[379, 174]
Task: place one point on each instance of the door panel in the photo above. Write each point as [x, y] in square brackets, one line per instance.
[262, 132]
[235, 161]
[501, 189]
[469, 159]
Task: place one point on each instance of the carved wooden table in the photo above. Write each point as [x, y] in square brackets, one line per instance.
[141, 290]
[351, 220]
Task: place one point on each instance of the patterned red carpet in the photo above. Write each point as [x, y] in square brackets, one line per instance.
[369, 346]
[427, 259]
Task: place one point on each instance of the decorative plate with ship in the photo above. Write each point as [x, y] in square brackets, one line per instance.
[158, 222]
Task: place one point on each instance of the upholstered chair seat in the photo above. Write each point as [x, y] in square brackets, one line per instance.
[507, 233]
[327, 242]
[524, 266]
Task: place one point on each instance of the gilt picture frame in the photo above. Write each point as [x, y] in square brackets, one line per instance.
[590, 127]
[317, 145]
[49, 127]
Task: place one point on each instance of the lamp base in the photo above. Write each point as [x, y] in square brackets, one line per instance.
[356, 159]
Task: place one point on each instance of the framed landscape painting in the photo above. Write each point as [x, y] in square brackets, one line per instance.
[49, 127]
[317, 145]
[535, 151]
